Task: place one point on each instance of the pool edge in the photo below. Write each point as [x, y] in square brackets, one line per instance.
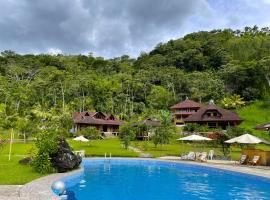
[41, 187]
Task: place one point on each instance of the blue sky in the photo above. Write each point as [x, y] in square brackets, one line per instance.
[111, 28]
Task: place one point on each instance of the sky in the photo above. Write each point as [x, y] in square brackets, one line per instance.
[111, 28]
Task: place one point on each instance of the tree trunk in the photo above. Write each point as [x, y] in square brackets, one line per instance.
[18, 105]
[268, 79]
[63, 97]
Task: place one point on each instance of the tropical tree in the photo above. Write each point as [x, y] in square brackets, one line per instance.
[127, 134]
[89, 132]
[233, 102]
[164, 132]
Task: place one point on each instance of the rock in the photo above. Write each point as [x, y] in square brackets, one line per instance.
[25, 161]
[64, 159]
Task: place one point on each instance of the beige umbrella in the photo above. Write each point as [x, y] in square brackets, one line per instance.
[247, 139]
[81, 138]
[194, 138]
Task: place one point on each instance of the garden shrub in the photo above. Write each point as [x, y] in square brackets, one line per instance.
[126, 134]
[90, 133]
[47, 144]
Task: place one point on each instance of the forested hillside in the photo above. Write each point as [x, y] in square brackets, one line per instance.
[202, 66]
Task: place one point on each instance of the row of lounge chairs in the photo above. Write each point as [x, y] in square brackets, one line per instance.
[197, 156]
[193, 156]
[244, 160]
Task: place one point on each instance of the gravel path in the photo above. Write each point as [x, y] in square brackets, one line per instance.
[142, 154]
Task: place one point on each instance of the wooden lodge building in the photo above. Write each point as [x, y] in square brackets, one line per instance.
[183, 110]
[106, 124]
[149, 125]
[210, 115]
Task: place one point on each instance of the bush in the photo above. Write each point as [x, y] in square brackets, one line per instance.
[165, 131]
[126, 134]
[47, 144]
[235, 131]
[198, 128]
[42, 163]
[162, 135]
[90, 133]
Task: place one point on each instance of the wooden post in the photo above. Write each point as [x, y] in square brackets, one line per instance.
[10, 144]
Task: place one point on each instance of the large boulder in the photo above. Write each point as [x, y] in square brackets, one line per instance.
[64, 159]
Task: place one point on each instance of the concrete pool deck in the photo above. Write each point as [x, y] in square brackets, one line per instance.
[40, 189]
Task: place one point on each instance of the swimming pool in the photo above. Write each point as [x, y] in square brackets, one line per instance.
[129, 179]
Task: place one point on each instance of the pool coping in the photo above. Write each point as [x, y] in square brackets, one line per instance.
[41, 188]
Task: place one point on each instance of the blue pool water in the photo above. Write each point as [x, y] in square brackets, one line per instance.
[123, 179]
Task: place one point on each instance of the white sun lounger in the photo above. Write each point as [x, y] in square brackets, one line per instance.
[190, 156]
[203, 157]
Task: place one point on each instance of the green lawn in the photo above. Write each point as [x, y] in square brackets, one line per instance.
[255, 114]
[176, 148]
[11, 172]
[100, 147]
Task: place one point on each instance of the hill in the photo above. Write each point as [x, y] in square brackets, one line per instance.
[201, 66]
[255, 114]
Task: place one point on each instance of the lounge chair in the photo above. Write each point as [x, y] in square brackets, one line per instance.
[203, 157]
[189, 156]
[242, 160]
[211, 154]
[254, 161]
[198, 155]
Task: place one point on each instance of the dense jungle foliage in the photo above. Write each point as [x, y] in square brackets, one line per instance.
[40, 89]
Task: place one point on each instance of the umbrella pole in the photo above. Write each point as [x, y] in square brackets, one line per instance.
[230, 152]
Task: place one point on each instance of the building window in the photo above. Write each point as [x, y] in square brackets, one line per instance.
[212, 124]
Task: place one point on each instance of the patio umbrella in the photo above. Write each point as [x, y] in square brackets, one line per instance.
[247, 139]
[194, 138]
[81, 138]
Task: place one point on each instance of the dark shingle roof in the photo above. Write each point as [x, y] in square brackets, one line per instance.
[90, 118]
[225, 115]
[187, 104]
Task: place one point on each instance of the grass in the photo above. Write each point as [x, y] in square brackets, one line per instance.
[11, 172]
[176, 148]
[100, 147]
[255, 114]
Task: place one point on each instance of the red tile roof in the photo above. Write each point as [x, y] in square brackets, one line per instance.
[187, 104]
[225, 115]
[90, 118]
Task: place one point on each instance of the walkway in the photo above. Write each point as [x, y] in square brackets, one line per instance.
[142, 154]
[226, 165]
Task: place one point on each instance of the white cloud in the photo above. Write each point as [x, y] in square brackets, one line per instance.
[54, 51]
[116, 27]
